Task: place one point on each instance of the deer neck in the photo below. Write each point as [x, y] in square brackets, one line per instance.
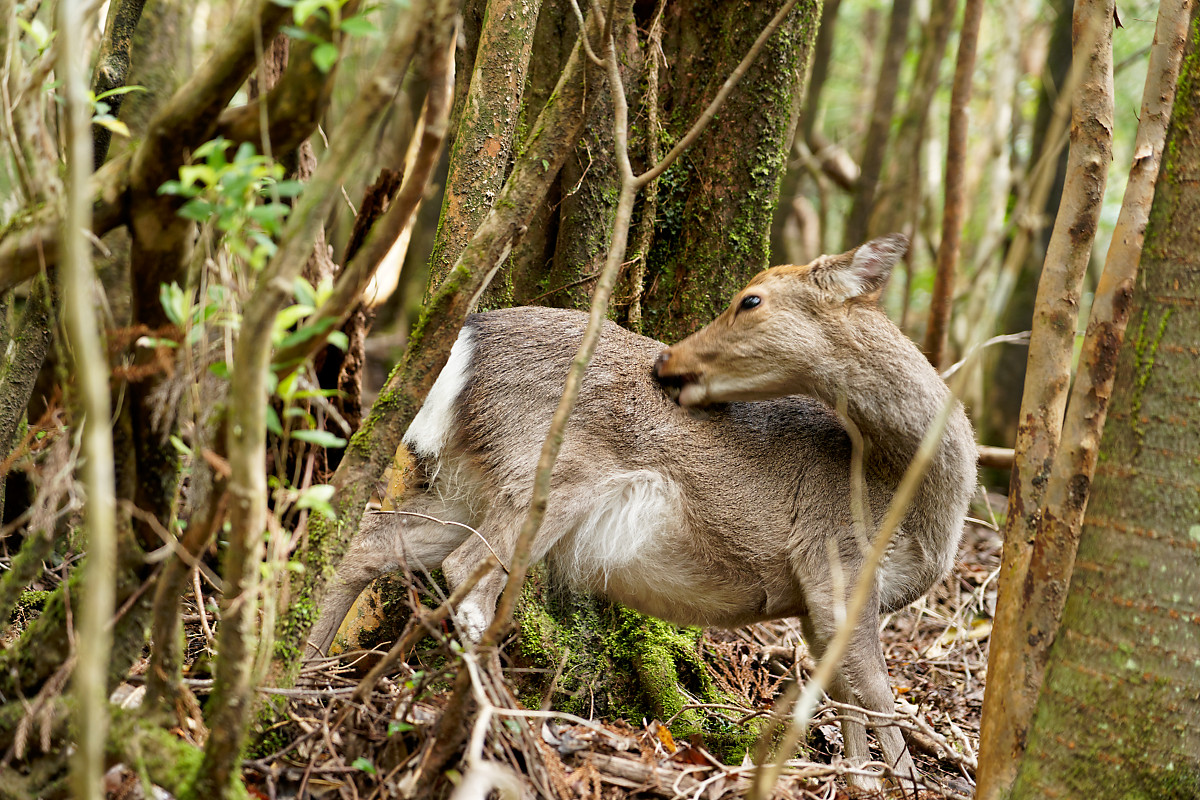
[893, 396]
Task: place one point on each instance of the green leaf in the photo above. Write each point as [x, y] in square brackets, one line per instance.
[273, 422]
[120, 90]
[324, 290]
[303, 291]
[245, 152]
[364, 765]
[191, 174]
[287, 386]
[316, 498]
[269, 212]
[396, 726]
[339, 340]
[182, 448]
[197, 210]
[288, 188]
[220, 369]
[307, 332]
[320, 438]
[289, 316]
[359, 26]
[174, 302]
[37, 31]
[307, 393]
[111, 123]
[213, 147]
[325, 55]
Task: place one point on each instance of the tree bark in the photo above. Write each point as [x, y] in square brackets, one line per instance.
[715, 204]
[1006, 374]
[1119, 712]
[953, 215]
[1049, 372]
[484, 136]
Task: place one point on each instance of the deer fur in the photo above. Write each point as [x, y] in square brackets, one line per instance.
[720, 519]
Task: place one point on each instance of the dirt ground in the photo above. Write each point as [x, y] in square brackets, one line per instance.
[388, 744]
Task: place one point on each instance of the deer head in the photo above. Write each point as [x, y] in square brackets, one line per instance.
[788, 332]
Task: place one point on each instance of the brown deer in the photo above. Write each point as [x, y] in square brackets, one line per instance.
[720, 519]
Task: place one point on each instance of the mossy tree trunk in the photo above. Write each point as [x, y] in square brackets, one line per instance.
[1119, 711]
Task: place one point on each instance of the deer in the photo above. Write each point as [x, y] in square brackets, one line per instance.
[707, 483]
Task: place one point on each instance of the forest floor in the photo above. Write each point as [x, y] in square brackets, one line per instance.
[936, 651]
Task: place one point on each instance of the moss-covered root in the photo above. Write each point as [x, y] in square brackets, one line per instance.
[158, 756]
[615, 663]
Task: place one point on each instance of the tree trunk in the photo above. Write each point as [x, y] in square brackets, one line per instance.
[1006, 381]
[1051, 347]
[715, 204]
[1119, 712]
[875, 146]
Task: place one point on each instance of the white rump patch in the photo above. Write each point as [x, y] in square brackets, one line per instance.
[628, 512]
[431, 427]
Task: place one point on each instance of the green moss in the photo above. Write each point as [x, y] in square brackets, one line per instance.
[158, 756]
[1144, 352]
[619, 664]
[33, 600]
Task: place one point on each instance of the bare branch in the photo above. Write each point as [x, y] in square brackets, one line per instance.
[93, 637]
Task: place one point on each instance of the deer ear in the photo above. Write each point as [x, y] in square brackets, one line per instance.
[872, 264]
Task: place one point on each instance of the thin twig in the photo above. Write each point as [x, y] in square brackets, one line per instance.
[450, 523]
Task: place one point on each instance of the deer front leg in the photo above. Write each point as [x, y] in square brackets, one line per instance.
[860, 680]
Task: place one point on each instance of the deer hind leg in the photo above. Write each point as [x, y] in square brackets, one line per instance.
[385, 540]
[567, 506]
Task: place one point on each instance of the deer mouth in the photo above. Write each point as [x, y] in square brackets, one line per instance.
[684, 389]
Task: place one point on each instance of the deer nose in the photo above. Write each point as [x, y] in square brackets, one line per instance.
[660, 363]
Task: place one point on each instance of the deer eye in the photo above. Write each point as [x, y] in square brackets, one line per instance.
[748, 302]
